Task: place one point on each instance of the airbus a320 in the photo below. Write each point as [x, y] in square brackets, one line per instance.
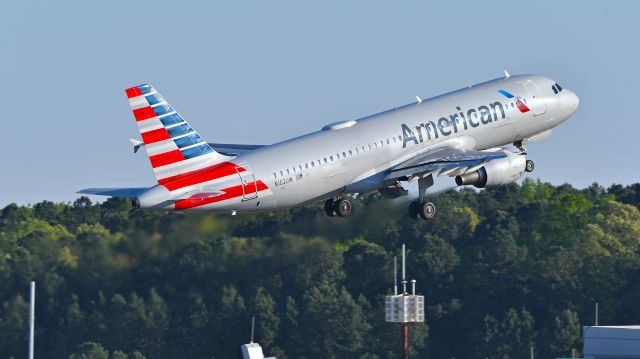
[475, 136]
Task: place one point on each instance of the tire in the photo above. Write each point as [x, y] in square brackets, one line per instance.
[529, 166]
[329, 208]
[343, 208]
[427, 211]
[413, 210]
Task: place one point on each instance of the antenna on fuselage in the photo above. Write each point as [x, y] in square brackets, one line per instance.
[506, 74]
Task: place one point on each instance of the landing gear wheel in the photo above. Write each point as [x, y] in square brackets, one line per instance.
[529, 166]
[413, 210]
[427, 210]
[343, 208]
[329, 208]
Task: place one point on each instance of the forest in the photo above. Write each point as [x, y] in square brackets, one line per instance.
[502, 271]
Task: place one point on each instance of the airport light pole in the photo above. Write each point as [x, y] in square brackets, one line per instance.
[32, 316]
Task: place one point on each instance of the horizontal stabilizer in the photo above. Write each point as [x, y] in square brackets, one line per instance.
[114, 192]
[136, 144]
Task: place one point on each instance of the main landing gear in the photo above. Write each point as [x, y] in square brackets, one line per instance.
[422, 208]
[339, 206]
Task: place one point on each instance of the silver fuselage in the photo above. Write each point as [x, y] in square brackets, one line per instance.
[354, 155]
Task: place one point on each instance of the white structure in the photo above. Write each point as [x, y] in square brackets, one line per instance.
[612, 342]
[253, 350]
[405, 307]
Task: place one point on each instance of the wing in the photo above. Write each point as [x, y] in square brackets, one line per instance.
[448, 161]
[114, 192]
[230, 149]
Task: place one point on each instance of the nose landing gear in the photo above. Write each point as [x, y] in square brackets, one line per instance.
[529, 166]
[340, 207]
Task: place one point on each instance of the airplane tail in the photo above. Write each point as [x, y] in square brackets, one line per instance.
[173, 147]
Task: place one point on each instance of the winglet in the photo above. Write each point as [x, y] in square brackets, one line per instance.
[136, 144]
[506, 74]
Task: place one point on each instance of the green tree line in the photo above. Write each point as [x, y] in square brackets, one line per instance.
[502, 271]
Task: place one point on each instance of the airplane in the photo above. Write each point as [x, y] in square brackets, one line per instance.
[476, 136]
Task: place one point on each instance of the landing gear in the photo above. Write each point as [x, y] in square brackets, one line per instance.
[340, 207]
[329, 208]
[529, 166]
[520, 145]
[424, 210]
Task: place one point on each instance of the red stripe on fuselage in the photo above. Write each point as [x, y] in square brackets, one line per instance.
[160, 134]
[133, 92]
[143, 113]
[210, 173]
[521, 106]
[229, 193]
[166, 158]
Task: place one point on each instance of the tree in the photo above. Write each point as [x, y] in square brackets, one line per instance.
[511, 337]
[90, 350]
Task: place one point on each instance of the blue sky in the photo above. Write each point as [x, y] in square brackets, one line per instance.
[264, 71]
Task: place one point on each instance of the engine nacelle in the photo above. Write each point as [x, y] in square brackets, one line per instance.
[495, 173]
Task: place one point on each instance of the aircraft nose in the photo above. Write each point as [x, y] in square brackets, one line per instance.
[571, 100]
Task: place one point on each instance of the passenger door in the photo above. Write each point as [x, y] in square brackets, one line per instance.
[534, 101]
[249, 185]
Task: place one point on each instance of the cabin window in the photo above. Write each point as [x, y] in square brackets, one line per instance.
[274, 175]
[387, 141]
[357, 150]
[331, 158]
[313, 164]
[287, 171]
[325, 160]
[306, 165]
[344, 154]
[369, 147]
[350, 153]
[281, 174]
[300, 166]
[362, 148]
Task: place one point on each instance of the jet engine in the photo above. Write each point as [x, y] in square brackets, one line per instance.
[497, 172]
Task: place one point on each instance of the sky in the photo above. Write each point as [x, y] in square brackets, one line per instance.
[264, 71]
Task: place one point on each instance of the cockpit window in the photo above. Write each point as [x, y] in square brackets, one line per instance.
[556, 88]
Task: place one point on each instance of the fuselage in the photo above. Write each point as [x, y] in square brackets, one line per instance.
[352, 156]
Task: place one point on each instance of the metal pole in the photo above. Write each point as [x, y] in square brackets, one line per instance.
[404, 269]
[596, 314]
[531, 352]
[405, 340]
[32, 315]
[253, 324]
[395, 275]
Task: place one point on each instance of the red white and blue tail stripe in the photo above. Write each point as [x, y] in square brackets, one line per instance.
[174, 148]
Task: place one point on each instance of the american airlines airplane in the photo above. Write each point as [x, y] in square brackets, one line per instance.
[465, 134]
